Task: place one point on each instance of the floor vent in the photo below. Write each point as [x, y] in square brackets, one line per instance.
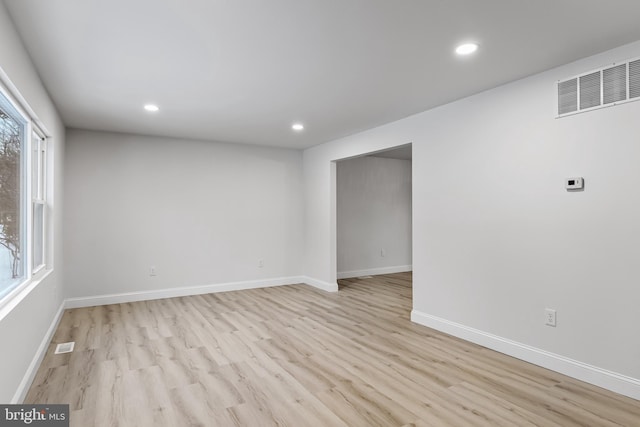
[65, 347]
[607, 86]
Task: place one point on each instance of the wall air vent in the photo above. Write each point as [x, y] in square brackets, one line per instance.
[607, 86]
[568, 96]
[590, 93]
[614, 84]
[634, 79]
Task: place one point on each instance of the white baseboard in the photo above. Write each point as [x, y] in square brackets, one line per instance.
[325, 286]
[374, 271]
[179, 292]
[32, 370]
[609, 380]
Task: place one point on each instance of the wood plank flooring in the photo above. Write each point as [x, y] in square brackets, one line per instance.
[297, 356]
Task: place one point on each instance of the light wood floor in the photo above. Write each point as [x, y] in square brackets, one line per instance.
[297, 356]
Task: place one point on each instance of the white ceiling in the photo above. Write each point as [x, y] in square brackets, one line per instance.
[245, 70]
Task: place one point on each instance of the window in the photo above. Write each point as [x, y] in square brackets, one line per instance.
[23, 207]
[12, 234]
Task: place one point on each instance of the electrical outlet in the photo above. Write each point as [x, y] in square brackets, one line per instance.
[152, 271]
[383, 253]
[550, 317]
[260, 263]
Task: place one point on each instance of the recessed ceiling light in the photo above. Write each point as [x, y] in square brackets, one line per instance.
[297, 127]
[466, 48]
[151, 107]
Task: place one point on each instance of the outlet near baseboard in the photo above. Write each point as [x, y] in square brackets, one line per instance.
[550, 317]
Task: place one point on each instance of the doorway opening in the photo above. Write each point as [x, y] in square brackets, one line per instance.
[374, 219]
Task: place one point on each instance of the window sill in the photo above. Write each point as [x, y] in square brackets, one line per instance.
[39, 272]
[16, 296]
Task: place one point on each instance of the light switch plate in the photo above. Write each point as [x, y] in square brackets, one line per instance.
[575, 183]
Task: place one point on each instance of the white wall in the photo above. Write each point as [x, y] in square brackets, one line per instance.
[24, 324]
[373, 216]
[496, 236]
[202, 213]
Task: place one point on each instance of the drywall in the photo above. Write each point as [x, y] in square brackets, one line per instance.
[24, 325]
[496, 237]
[373, 216]
[201, 213]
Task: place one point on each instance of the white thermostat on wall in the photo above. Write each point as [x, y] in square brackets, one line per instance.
[576, 183]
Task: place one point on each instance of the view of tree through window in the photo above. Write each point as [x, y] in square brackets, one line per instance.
[11, 250]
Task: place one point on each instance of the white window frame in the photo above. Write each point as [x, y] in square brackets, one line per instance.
[32, 274]
[38, 143]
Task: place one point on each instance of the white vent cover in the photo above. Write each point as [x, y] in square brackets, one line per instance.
[567, 96]
[66, 347]
[614, 84]
[590, 92]
[634, 79]
[607, 86]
